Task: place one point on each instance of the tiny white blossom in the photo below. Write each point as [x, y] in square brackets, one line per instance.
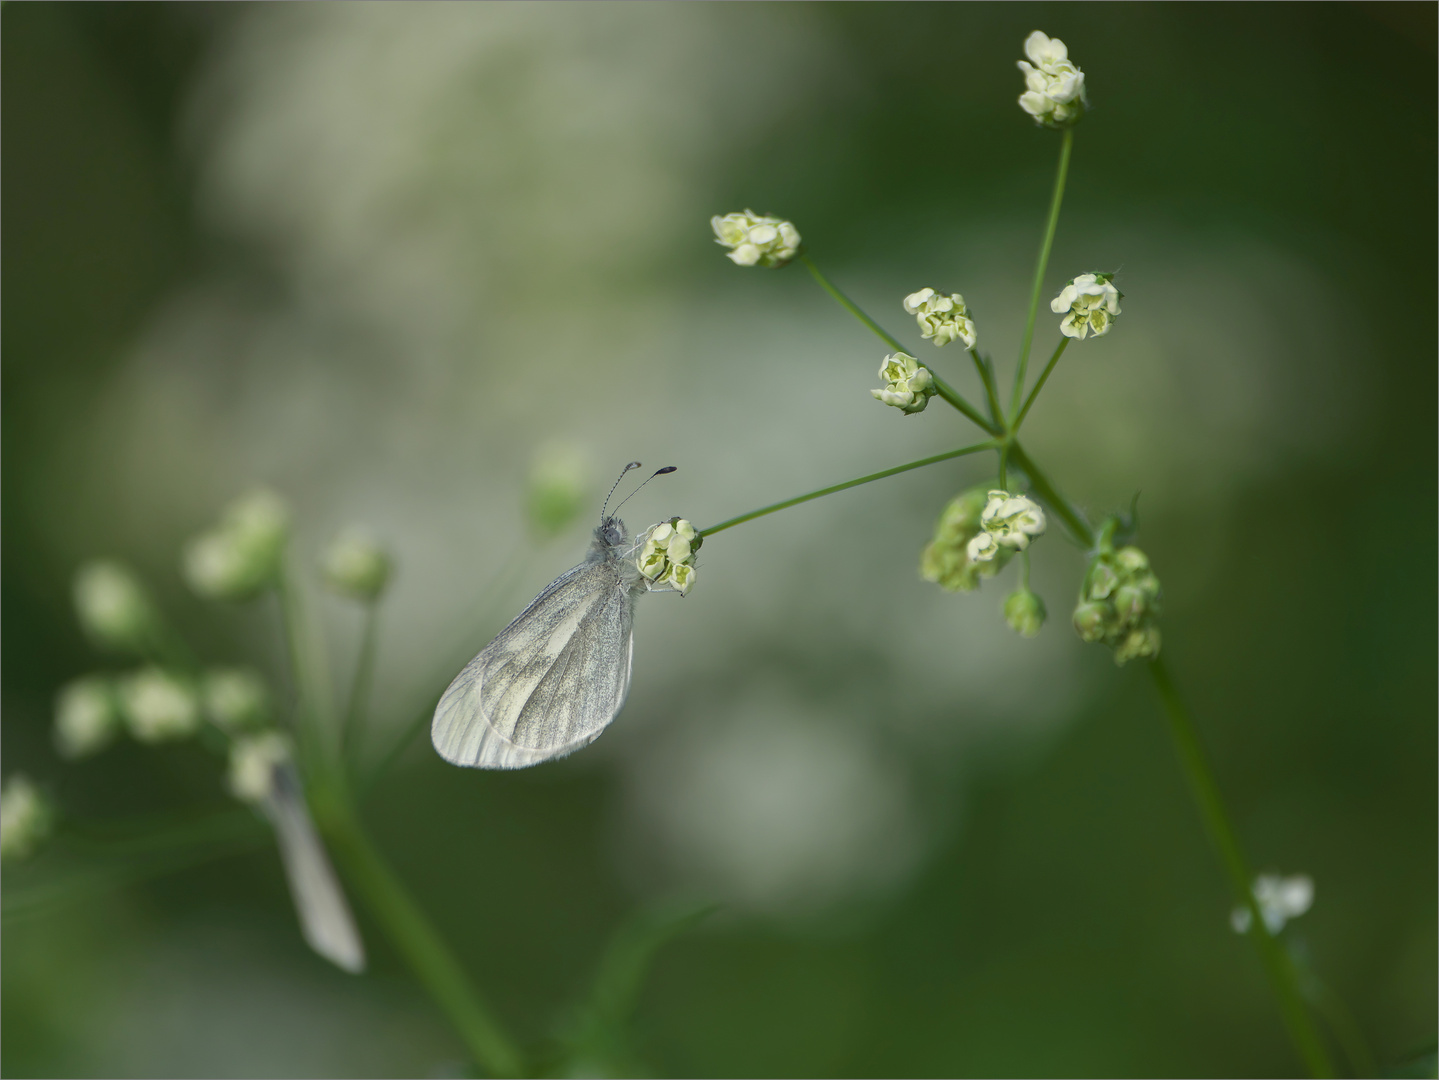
[25, 817]
[86, 717]
[253, 761]
[112, 605]
[235, 699]
[158, 706]
[1013, 520]
[756, 240]
[942, 318]
[1279, 899]
[242, 555]
[983, 547]
[1054, 88]
[682, 577]
[355, 565]
[667, 555]
[908, 383]
[1091, 302]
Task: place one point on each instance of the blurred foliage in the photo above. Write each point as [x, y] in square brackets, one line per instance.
[1065, 915]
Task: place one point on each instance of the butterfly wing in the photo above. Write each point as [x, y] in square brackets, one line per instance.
[550, 682]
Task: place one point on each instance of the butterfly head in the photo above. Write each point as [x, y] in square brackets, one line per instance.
[611, 533]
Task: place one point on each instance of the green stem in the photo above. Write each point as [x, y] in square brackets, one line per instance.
[418, 942]
[1044, 376]
[360, 686]
[986, 376]
[841, 487]
[942, 388]
[1277, 963]
[1071, 516]
[1064, 148]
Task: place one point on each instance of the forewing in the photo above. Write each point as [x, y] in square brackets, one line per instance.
[549, 683]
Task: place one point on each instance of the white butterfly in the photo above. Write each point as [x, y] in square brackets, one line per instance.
[554, 678]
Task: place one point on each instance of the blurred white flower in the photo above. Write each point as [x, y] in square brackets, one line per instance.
[355, 565]
[1279, 899]
[1054, 88]
[908, 383]
[1091, 302]
[236, 699]
[982, 548]
[112, 605]
[26, 817]
[158, 706]
[1024, 612]
[86, 716]
[1013, 520]
[942, 318]
[755, 240]
[667, 555]
[241, 556]
[253, 761]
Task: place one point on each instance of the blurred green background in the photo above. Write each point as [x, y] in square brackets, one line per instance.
[377, 255]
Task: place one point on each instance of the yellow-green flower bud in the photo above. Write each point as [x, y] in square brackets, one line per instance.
[1024, 611]
[556, 493]
[242, 555]
[354, 565]
[113, 607]
[1119, 603]
[1141, 643]
[158, 706]
[945, 559]
[236, 700]
[26, 817]
[87, 717]
[1092, 621]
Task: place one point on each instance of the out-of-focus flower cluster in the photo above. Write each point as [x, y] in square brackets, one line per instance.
[941, 318]
[756, 240]
[946, 560]
[242, 555]
[1120, 603]
[355, 565]
[667, 555]
[26, 817]
[1053, 87]
[1279, 898]
[1089, 303]
[908, 383]
[556, 491]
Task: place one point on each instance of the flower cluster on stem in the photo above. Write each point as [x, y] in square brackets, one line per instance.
[667, 556]
[1089, 304]
[756, 240]
[908, 384]
[1120, 602]
[1053, 86]
[941, 318]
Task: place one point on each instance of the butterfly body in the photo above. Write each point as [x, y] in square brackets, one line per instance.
[551, 681]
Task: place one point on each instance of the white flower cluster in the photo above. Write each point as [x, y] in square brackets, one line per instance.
[755, 240]
[1007, 521]
[908, 383]
[242, 555]
[1054, 88]
[26, 817]
[942, 318]
[1089, 303]
[158, 706]
[1279, 899]
[667, 557]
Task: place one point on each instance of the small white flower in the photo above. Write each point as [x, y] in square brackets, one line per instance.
[86, 717]
[942, 318]
[25, 817]
[667, 555]
[1279, 899]
[983, 547]
[1013, 520]
[755, 240]
[1091, 302]
[682, 577]
[157, 706]
[1054, 88]
[235, 699]
[253, 761]
[242, 555]
[355, 565]
[908, 383]
[112, 605]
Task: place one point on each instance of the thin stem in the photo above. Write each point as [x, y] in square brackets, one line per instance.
[422, 947]
[1064, 148]
[986, 376]
[941, 387]
[360, 686]
[1058, 352]
[1071, 516]
[841, 487]
[1277, 962]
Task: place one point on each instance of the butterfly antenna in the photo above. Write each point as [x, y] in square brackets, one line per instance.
[636, 491]
[626, 469]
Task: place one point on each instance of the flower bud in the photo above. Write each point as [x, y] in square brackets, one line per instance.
[158, 706]
[755, 240]
[1090, 304]
[909, 384]
[354, 565]
[1140, 643]
[1054, 88]
[941, 318]
[242, 555]
[1119, 603]
[26, 817]
[945, 559]
[556, 493]
[253, 761]
[1092, 621]
[87, 717]
[1024, 611]
[113, 607]
[236, 700]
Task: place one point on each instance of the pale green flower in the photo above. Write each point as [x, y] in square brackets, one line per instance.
[26, 817]
[756, 240]
[1090, 303]
[1120, 603]
[1279, 899]
[908, 383]
[157, 706]
[87, 718]
[253, 760]
[1024, 611]
[1054, 88]
[242, 555]
[355, 565]
[113, 607]
[941, 318]
[236, 699]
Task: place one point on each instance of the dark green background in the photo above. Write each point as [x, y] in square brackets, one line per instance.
[1069, 928]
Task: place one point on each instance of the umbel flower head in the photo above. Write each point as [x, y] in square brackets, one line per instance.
[113, 607]
[946, 560]
[26, 817]
[1089, 303]
[756, 240]
[241, 556]
[941, 318]
[87, 717]
[1119, 604]
[355, 565]
[1279, 899]
[667, 557]
[158, 706]
[908, 383]
[1053, 87]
